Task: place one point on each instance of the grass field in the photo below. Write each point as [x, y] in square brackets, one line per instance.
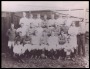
[8, 62]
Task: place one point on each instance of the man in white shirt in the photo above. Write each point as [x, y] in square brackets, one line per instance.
[73, 31]
[44, 22]
[31, 20]
[53, 44]
[22, 29]
[64, 19]
[43, 43]
[51, 22]
[59, 21]
[40, 30]
[24, 20]
[68, 20]
[31, 29]
[35, 41]
[37, 21]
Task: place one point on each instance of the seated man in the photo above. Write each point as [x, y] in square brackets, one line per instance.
[18, 50]
[35, 41]
[43, 43]
[22, 29]
[62, 43]
[27, 44]
[53, 42]
[31, 29]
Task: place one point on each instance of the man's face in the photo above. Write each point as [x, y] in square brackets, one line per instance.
[59, 16]
[36, 32]
[45, 17]
[62, 32]
[67, 16]
[53, 34]
[31, 25]
[20, 33]
[24, 14]
[52, 16]
[44, 33]
[12, 26]
[31, 16]
[38, 16]
[73, 24]
[18, 42]
[27, 35]
[58, 26]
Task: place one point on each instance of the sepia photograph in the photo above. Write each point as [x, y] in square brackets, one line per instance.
[44, 34]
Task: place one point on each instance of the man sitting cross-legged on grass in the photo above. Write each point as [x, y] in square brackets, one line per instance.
[52, 42]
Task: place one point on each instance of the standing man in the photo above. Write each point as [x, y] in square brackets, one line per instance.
[11, 33]
[81, 38]
[64, 19]
[38, 21]
[31, 20]
[31, 29]
[58, 24]
[45, 21]
[59, 20]
[68, 20]
[73, 31]
[51, 22]
[24, 20]
[65, 23]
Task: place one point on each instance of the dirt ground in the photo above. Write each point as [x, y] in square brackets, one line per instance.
[80, 62]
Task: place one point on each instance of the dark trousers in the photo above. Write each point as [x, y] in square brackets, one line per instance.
[81, 44]
[72, 55]
[17, 57]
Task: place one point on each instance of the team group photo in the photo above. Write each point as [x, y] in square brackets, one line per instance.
[44, 35]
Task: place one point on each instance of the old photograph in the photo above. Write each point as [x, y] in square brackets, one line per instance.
[45, 34]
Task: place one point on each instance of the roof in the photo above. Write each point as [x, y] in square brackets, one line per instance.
[73, 8]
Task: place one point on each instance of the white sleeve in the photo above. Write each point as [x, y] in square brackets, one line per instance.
[69, 31]
[40, 22]
[18, 30]
[20, 21]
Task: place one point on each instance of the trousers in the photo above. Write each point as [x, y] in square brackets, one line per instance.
[81, 44]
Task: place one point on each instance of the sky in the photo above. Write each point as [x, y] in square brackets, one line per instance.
[14, 6]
